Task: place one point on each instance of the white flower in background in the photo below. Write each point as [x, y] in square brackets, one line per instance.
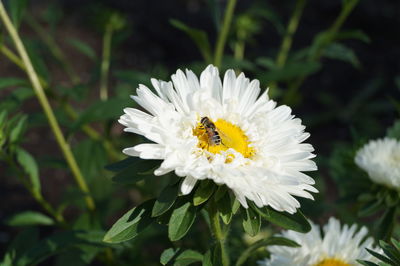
[381, 160]
[224, 131]
[338, 246]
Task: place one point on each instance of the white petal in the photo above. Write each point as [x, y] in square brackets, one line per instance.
[188, 184]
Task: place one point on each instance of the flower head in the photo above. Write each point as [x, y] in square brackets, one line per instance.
[338, 246]
[381, 160]
[224, 131]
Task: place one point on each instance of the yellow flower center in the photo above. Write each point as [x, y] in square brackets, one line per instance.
[228, 136]
[332, 262]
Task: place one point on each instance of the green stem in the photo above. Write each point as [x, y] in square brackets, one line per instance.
[239, 50]
[333, 30]
[108, 146]
[37, 195]
[16, 60]
[54, 49]
[290, 31]
[248, 251]
[315, 56]
[218, 233]
[47, 108]
[223, 35]
[105, 62]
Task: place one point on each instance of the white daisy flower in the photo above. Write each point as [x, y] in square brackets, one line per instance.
[381, 160]
[224, 131]
[338, 246]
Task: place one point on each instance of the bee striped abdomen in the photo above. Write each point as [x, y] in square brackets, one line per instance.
[211, 131]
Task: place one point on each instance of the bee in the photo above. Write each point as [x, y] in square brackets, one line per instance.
[214, 138]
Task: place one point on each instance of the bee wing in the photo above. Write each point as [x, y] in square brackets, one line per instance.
[224, 138]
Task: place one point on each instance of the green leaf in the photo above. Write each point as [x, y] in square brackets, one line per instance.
[203, 192]
[296, 222]
[38, 59]
[91, 157]
[224, 206]
[199, 37]
[130, 224]
[17, 8]
[291, 70]
[217, 254]
[3, 117]
[18, 130]
[367, 263]
[385, 224]
[121, 165]
[181, 220]
[24, 240]
[165, 201]
[12, 82]
[221, 190]
[167, 255]
[390, 252]
[266, 62]
[271, 241]
[353, 34]
[57, 243]
[180, 258]
[207, 259]
[341, 52]
[29, 165]
[102, 111]
[29, 218]
[394, 131]
[396, 244]
[188, 257]
[22, 93]
[370, 208]
[235, 206]
[251, 222]
[379, 256]
[137, 171]
[82, 47]
[272, 16]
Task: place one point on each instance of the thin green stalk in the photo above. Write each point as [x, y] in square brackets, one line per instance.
[290, 31]
[58, 217]
[287, 41]
[105, 62]
[54, 49]
[109, 147]
[248, 251]
[333, 30]
[16, 60]
[47, 108]
[218, 234]
[315, 56]
[11, 56]
[223, 35]
[238, 53]
[49, 209]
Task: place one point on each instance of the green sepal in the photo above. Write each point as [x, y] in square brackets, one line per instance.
[203, 192]
[251, 221]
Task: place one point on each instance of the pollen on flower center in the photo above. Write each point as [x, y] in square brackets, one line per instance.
[228, 136]
[331, 262]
